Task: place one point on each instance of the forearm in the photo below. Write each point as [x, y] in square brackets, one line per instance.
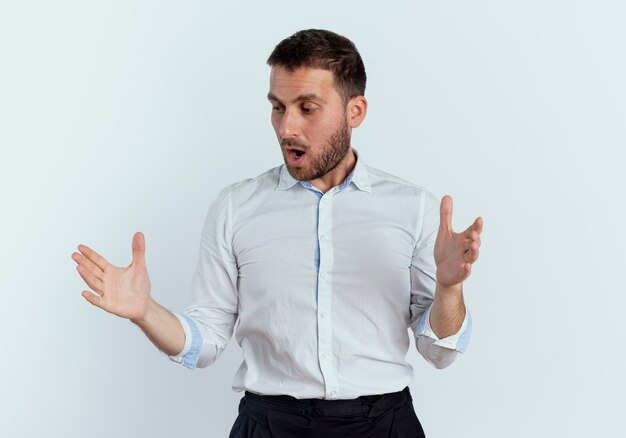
[162, 328]
[448, 310]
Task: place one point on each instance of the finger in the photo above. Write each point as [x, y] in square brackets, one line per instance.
[464, 271]
[475, 237]
[139, 249]
[93, 299]
[478, 225]
[88, 264]
[470, 236]
[445, 213]
[467, 237]
[471, 255]
[96, 258]
[467, 269]
[91, 280]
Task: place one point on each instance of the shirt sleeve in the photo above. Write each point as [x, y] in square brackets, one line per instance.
[209, 321]
[190, 353]
[438, 352]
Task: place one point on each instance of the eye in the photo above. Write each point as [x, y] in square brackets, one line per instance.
[308, 109]
[278, 109]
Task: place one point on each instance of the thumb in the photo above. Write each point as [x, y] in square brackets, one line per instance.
[94, 299]
[445, 214]
[477, 226]
[139, 249]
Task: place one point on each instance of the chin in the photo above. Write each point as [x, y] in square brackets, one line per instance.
[298, 173]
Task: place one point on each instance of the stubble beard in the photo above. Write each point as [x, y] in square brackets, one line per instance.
[336, 148]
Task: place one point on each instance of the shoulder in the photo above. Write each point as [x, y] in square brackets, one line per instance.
[246, 188]
[386, 182]
[267, 178]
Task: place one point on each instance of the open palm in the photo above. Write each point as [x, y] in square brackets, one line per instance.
[455, 252]
[124, 292]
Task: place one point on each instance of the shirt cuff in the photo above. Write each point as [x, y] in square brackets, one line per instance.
[458, 341]
[190, 353]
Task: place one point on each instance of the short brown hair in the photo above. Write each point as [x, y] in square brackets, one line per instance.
[318, 48]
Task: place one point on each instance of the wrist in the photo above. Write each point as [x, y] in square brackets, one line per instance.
[448, 310]
[455, 290]
[148, 315]
[449, 296]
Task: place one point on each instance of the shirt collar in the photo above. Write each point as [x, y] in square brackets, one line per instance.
[358, 176]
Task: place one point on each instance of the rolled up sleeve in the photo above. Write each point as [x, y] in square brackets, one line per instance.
[193, 342]
[442, 352]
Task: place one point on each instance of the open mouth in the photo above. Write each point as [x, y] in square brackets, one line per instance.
[295, 156]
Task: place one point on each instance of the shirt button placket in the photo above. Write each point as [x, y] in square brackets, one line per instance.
[324, 302]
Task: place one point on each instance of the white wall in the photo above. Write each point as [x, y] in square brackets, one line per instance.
[121, 116]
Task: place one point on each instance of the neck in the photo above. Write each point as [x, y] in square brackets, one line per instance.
[338, 174]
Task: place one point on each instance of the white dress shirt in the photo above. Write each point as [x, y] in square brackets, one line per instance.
[323, 286]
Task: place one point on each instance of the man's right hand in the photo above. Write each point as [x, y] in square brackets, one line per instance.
[124, 292]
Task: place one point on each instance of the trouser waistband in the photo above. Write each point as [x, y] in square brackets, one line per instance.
[368, 406]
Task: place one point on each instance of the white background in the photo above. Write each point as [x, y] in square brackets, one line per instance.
[124, 116]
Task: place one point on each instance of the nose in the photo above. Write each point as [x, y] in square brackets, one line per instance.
[289, 125]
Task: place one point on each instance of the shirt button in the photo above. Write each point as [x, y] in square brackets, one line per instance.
[322, 238]
[322, 315]
[332, 393]
[322, 275]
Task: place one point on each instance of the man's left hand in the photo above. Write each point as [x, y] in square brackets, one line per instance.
[455, 252]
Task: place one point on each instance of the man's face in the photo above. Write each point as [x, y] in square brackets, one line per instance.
[310, 121]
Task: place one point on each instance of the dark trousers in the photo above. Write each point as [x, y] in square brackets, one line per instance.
[374, 416]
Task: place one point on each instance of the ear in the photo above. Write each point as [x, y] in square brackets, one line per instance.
[357, 108]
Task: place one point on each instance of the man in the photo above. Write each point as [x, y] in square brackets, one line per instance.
[324, 262]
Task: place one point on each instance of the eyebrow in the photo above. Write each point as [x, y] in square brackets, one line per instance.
[303, 97]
